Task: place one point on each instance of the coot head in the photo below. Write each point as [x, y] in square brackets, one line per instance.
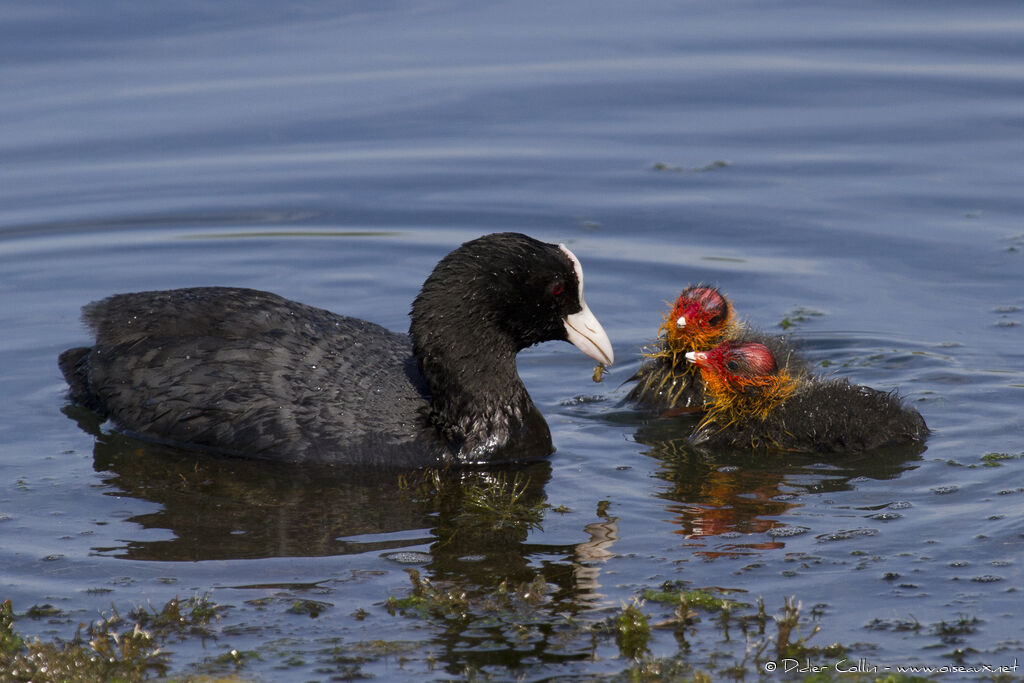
[511, 292]
[482, 304]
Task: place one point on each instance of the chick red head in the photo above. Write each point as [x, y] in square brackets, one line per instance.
[698, 318]
[735, 361]
[741, 380]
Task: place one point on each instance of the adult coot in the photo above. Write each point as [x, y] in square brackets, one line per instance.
[248, 373]
[753, 402]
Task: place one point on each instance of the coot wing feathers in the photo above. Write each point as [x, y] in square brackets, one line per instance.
[316, 386]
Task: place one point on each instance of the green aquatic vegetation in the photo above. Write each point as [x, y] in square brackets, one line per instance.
[997, 459]
[41, 611]
[10, 642]
[310, 608]
[797, 316]
[675, 168]
[425, 599]
[988, 460]
[109, 649]
[687, 603]
[952, 631]
[790, 643]
[501, 502]
[214, 667]
[658, 669]
[695, 599]
[531, 592]
[505, 625]
[632, 630]
[909, 624]
[179, 617]
[764, 649]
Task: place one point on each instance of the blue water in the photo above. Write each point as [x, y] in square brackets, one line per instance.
[859, 162]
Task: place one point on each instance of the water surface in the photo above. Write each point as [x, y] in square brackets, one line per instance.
[852, 168]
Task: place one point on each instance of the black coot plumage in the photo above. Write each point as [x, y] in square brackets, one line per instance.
[755, 402]
[249, 373]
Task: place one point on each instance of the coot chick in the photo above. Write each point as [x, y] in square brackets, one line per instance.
[700, 318]
[753, 402]
[249, 373]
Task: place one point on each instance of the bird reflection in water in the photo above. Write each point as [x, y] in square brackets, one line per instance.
[735, 491]
[591, 555]
[218, 508]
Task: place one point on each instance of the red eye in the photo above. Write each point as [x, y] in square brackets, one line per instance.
[558, 289]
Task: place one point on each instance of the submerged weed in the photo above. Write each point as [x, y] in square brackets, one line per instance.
[798, 315]
[790, 643]
[909, 624]
[632, 631]
[694, 599]
[179, 618]
[41, 611]
[501, 502]
[788, 624]
[310, 608]
[425, 599]
[112, 648]
[512, 625]
[107, 650]
[10, 642]
[952, 632]
[997, 459]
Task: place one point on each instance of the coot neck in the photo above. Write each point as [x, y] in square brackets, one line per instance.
[479, 404]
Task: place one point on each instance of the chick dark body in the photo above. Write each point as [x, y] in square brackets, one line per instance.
[824, 416]
[753, 401]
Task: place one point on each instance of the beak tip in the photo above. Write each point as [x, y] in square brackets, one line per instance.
[595, 342]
